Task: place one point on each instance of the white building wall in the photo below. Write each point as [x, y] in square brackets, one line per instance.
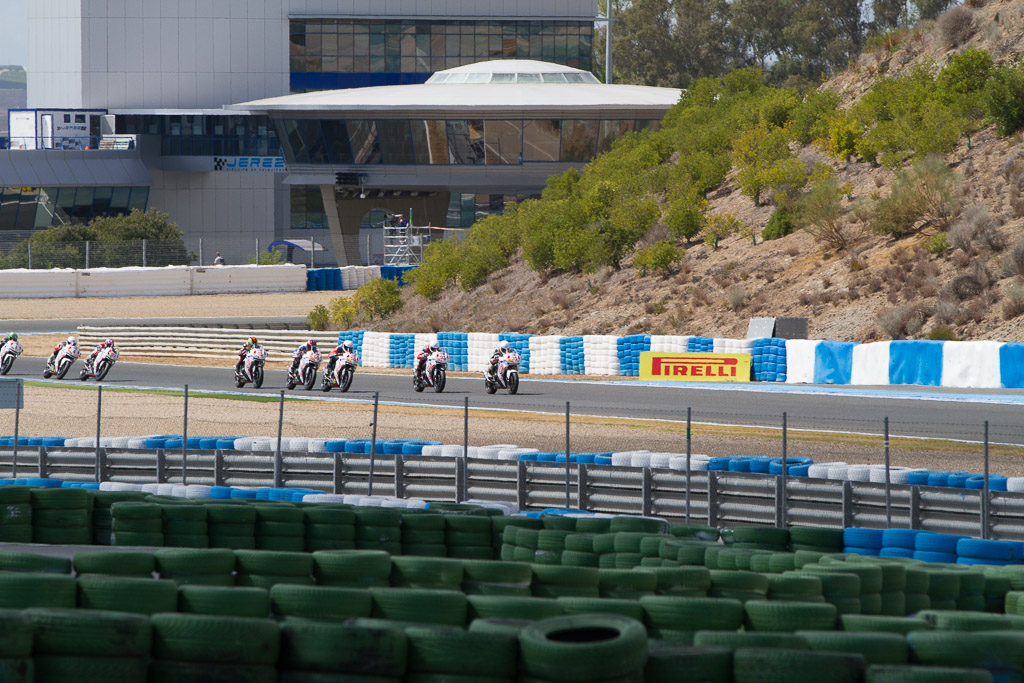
[55, 31]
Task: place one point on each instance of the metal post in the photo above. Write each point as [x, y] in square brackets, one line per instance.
[785, 474]
[688, 415]
[201, 261]
[257, 251]
[312, 251]
[278, 465]
[30, 256]
[99, 413]
[984, 492]
[608, 44]
[87, 254]
[888, 492]
[465, 428]
[373, 444]
[143, 253]
[17, 419]
[567, 468]
[184, 442]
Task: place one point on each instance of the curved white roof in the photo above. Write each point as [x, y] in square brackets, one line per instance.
[489, 98]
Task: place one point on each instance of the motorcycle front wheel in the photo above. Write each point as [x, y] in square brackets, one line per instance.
[346, 379]
[102, 371]
[439, 380]
[310, 379]
[257, 376]
[512, 382]
[63, 370]
[6, 366]
[83, 375]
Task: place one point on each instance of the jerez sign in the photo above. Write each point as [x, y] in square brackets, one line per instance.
[248, 164]
[695, 367]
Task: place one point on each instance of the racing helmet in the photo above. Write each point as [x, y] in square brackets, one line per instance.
[13, 335]
[434, 346]
[73, 340]
[252, 340]
[504, 346]
[347, 345]
[108, 342]
[311, 343]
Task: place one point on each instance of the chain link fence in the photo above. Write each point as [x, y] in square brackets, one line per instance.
[98, 254]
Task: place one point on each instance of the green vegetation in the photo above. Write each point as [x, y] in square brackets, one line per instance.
[660, 256]
[779, 224]
[376, 299]
[925, 194]
[267, 258]
[938, 244]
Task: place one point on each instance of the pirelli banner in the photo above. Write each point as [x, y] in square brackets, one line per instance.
[695, 367]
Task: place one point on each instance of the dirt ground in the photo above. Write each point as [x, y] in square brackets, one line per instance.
[200, 306]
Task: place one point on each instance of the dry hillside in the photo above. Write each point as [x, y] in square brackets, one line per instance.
[845, 295]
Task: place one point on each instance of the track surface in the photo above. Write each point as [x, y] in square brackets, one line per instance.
[912, 411]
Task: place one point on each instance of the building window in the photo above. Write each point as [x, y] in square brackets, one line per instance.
[37, 208]
[307, 208]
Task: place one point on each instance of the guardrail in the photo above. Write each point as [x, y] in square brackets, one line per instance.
[200, 342]
[719, 498]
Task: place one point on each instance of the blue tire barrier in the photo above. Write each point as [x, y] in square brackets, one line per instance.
[208, 443]
[760, 464]
[356, 446]
[739, 465]
[586, 458]
[528, 457]
[47, 441]
[985, 550]
[547, 457]
[933, 557]
[337, 446]
[172, 444]
[226, 443]
[602, 460]
[996, 482]
[980, 561]
[220, 492]
[854, 550]
[799, 470]
[937, 543]
[897, 552]
[719, 464]
[862, 538]
[918, 478]
[46, 483]
[938, 478]
[958, 480]
[899, 538]
[36, 441]
[242, 493]
[775, 465]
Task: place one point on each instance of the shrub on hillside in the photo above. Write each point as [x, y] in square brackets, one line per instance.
[821, 212]
[685, 215]
[1013, 307]
[842, 135]
[319, 318]
[926, 194]
[1004, 99]
[976, 230]
[901, 322]
[1013, 262]
[938, 244]
[378, 298]
[720, 226]
[942, 333]
[961, 83]
[957, 26]
[661, 256]
[440, 269]
[344, 310]
[758, 154]
[779, 224]
[810, 119]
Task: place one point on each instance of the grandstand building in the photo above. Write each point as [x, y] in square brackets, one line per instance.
[250, 122]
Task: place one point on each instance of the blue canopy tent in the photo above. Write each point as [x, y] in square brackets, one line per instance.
[308, 246]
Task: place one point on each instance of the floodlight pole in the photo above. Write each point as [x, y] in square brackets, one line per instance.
[608, 42]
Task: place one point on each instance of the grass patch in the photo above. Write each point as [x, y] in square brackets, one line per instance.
[256, 398]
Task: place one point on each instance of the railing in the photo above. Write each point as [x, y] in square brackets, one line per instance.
[717, 498]
[200, 342]
[71, 143]
[97, 254]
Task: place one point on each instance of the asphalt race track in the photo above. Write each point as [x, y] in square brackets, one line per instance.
[912, 411]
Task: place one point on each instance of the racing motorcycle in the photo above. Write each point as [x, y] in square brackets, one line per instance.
[341, 373]
[506, 376]
[434, 372]
[100, 365]
[10, 351]
[252, 368]
[305, 374]
[62, 362]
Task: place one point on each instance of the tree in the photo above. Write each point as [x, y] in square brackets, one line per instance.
[888, 14]
[760, 155]
[821, 213]
[759, 26]
[929, 9]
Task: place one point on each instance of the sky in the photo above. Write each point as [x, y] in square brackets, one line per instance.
[13, 31]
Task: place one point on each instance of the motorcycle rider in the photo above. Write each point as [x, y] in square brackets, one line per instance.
[70, 341]
[421, 357]
[503, 348]
[310, 345]
[248, 346]
[344, 347]
[105, 344]
[13, 336]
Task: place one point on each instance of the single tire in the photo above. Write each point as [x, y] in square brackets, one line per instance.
[876, 648]
[269, 562]
[786, 617]
[90, 669]
[59, 498]
[490, 387]
[47, 374]
[331, 532]
[626, 583]
[163, 671]
[320, 602]
[420, 605]
[102, 370]
[6, 366]
[692, 614]
[513, 607]
[16, 561]
[737, 639]
[20, 591]
[513, 383]
[268, 581]
[582, 648]
[219, 513]
[883, 624]
[257, 376]
[472, 654]
[997, 651]
[224, 601]
[137, 595]
[208, 638]
[426, 572]
[359, 567]
[345, 382]
[925, 674]
[351, 650]
[83, 375]
[92, 633]
[440, 378]
[137, 539]
[131, 510]
[626, 608]
[175, 562]
[665, 661]
[795, 666]
[65, 365]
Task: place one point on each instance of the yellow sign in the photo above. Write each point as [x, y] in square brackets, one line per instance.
[695, 367]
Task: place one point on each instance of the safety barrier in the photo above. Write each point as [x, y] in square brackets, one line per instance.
[200, 342]
[352, 277]
[721, 498]
[168, 281]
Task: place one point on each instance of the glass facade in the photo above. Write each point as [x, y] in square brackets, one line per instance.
[37, 208]
[466, 209]
[307, 208]
[350, 53]
[460, 141]
[198, 135]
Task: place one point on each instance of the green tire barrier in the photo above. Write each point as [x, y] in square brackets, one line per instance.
[948, 620]
[59, 499]
[581, 648]
[279, 512]
[876, 648]
[217, 639]
[228, 602]
[219, 514]
[512, 607]
[15, 635]
[65, 632]
[129, 510]
[352, 568]
[15, 495]
[925, 674]
[19, 591]
[682, 581]
[832, 539]
[628, 542]
[580, 543]
[135, 538]
[15, 561]
[626, 583]
[420, 605]
[503, 626]
[330, 532]
[737, 639]
[196, 566]
[626, 608]
[872, 623]
[274, 563]
[692, 614]
[115, 562]
[127, 594]
[739, 585]
[17, 669]
[761, 535]
[554, 522]
[1001, 652]
[695, 531]
[786, 617]
[268, 581]
[593, 525]
[320, 602]
[794, 587]
[178, 672]
[693, 553]
[326, 647]
[61, 517]
[90, 669]
[643, 525]
[671, 663]
[795, 666]
[470, 654]
[426, 572]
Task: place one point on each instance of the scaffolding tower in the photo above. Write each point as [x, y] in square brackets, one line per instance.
[404, 244]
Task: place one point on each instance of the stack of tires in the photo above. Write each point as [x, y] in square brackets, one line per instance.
[204, 567]
[441, 654]
[626, 584]
[738, 585]
[493, 577]
[280, 526]
[114, 563]
[862, 541]
[324, 650]
[978, 551]
[421, 605]
[426, 572]
[423, 535]
[469, 536]
[677, 619]
[201, 647]
[584, 647]
[839, 586]
[225, 601]
[87, 646]
[815, 539]
[185, 525]
[140, 595]
[137, 524]
[943, 588]
[231, 526]
[556, 582]
[16, 637]
[329, 527]
[15, 514]
[579, 551]
[265, 568]
[61, 516]
[756, 538]
[320, 602]
[379, 529]
[936, 548]
[352, 568]
[102, 521]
